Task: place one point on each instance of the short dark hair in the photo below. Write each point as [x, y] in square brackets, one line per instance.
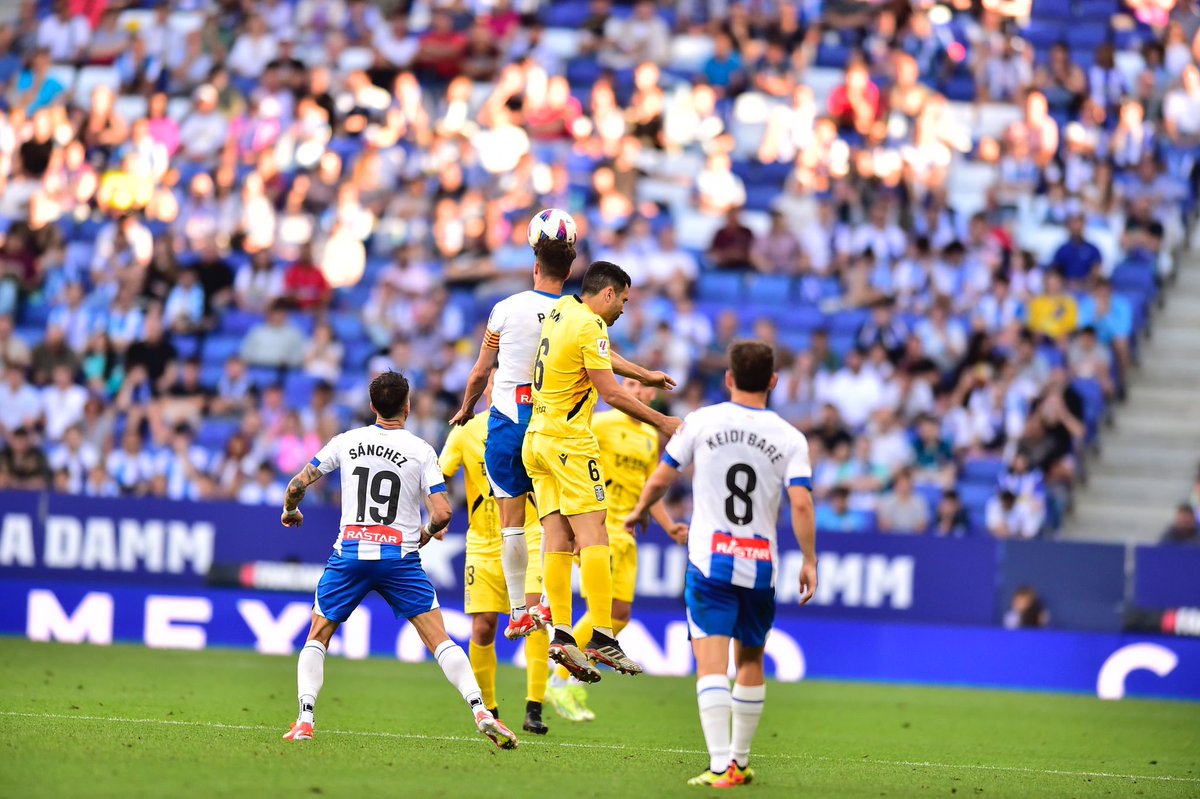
[605, 274]
[389, 394]
[752, 364]
[555, 257]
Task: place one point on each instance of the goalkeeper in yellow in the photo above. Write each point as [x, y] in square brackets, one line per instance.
[629, 452]
[574, 366]
[486, 594]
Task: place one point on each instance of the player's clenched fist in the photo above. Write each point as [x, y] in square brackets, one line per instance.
[291, 518]
[659, 380]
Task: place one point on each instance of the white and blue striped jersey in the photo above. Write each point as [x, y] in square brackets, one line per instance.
[744, 458]
[515, 328]
[386, 475]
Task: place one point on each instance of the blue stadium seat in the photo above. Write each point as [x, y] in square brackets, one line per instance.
[773, 290]
[215, 433]
[347, 326]
[1086, 36]
[720, 286]
[841, 343]
[849, 321]
[932, 495]
[1094, 405]
[218, 349]
[358, 353]
[960, 88]
[803, 318]
[795, 340]
[1058, 10]
[187, 347]
[1095, 10]
[835, 56]
[570, 14]
[583, 71]
[265, 376]
[974, 496]
[982, 471]
[298, 389]
[1041, 35]
[238, 323]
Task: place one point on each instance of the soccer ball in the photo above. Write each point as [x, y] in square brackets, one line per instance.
[551, 223]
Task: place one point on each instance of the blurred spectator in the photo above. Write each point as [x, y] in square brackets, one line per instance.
[64, 35]
[637, 39]
[53, 351]
[1026, 610]
[62, 403]
[323, 354]
[1091, 360]
[304, 284]
[1077, 260]
[72, 460]
[732, 243]
[856, 392]
[951, 518]
[1054, 313]
[1006, 518]
[901, 510]
[837, 517]
[20, 404]
[263, 489]
[13, 350]
[23, 465]
[131, 467]
[1184, 529]
[274, 342]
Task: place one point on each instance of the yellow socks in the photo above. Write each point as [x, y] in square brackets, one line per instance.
[618, 626]
[483, 663]
[537, 669]
[595, 573]
[557, 582]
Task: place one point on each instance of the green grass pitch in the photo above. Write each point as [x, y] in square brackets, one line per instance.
[128, 722]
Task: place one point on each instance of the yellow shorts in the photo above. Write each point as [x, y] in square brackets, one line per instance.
[566, 474]
[484, 590]
[484, 587]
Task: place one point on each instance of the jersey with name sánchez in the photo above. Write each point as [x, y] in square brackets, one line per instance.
[386, 475]
[744, 459]
[574, 339]
[514, 328]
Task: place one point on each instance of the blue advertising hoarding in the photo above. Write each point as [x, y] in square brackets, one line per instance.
[1167, 577]
[1108, 665]
[179, 544]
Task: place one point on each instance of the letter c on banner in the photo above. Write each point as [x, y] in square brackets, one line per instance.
[1110, 684]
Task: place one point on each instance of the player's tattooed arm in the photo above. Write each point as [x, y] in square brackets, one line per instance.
[292, 517]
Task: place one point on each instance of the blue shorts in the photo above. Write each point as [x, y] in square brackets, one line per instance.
[720, 608]
[401, 582]
[502, 456]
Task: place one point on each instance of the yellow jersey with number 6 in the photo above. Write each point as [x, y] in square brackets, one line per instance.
[574, 339]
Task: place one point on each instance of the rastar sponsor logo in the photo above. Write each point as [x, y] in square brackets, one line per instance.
[745, 548]
[373, 535]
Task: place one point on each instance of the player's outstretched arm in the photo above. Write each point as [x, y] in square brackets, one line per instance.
[612, 393]
[476, 383]
[804, 526]
[644, 376]
[292, 517]
[654, 490]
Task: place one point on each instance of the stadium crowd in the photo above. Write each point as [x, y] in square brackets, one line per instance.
[219, 219]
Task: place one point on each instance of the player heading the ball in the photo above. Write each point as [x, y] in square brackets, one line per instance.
[387, 472]
[574, 366]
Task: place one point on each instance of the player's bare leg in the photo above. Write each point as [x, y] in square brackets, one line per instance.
[514, 559]
[558, 542]
[457, 668]
[714, 701]
[310, 676]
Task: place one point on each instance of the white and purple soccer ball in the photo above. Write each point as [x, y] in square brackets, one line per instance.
[551, 223]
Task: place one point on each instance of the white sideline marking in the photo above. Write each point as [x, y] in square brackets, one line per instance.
[217, 725]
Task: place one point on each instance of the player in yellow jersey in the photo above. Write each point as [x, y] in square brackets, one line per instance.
[574, 366]
[628, 456]
[485, 590]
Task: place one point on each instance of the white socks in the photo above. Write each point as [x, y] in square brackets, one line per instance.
[712, 695]
[310, 675]
[514, 559]
[457, 668]
[747, 710]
